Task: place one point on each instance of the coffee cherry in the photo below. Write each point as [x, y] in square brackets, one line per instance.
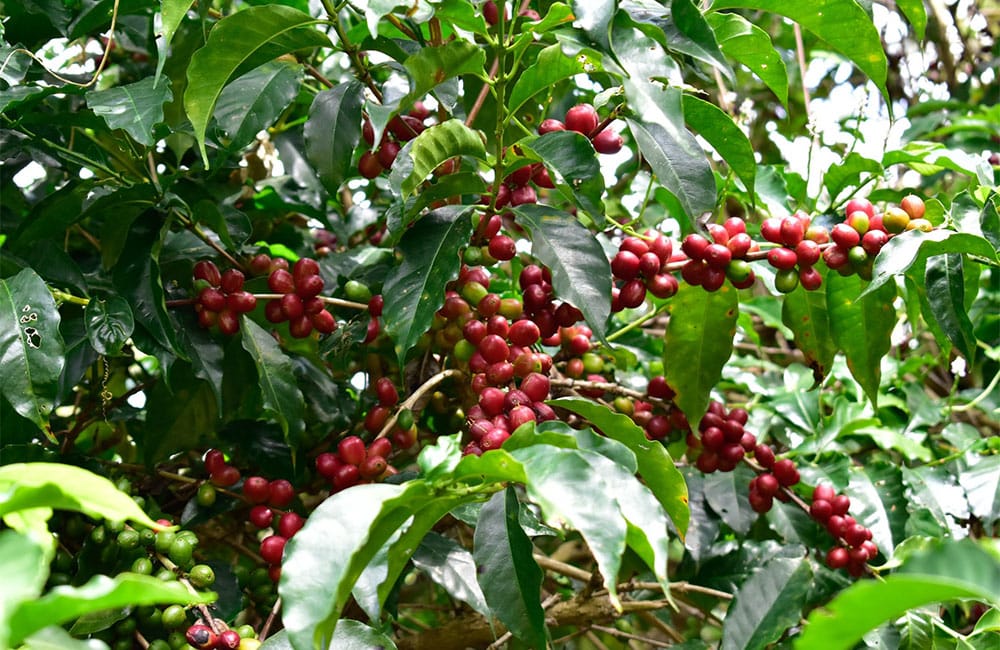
[792, 231]
[226, 476]
[351, 450]
[273, 311]
[786, 280]
[841, 504]
[502, 247]
[821, 510]
[309, 286]
[201, 576]
[784, 470]
[272, 548]
[494, 348]
[231, 281]
[387, 154]
[760, 503]
[632, 294]
[280, 493]
[207, 270]
[694, 246]
[718, 256]
[212, 299]
[624, 265]
[860, 205]
[261, 516]
[856, 535]
[823, 492]
[375, 305]
[770, 229]
[662, 285]
[873, 241]
[549, 125]
[523, 333]
[324, 322]
[281, 281]
[582, 118]
[173, 617]
[767, 484]
[228, 640]
[206, 495]
[255, 489]
[369, 165]
[845, 236]
[491, 400]
[386, 392]
[913, 205]
[607, 142]
[807, 252]
[782, 258]
[347, 476]
[810, 278]
[201, 637]
[372, 467]
[837, 557]
[542, 178]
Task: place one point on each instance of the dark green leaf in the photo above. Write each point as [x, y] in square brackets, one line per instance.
[685, 30]
[25, 568]
[851, 172]
[282, 398]
[332, 132]
[427, 151]
[878, 502]
[225, 220]
[580, 269]
[413, 291]
[945, 284]
[767, 604]
[109, 324]
[751, 46]
[237, 44]
[172, 13]
[493, 467]
[551, 67]
[578, 173]
[697, 343]
[253, 102]
[850, 316]
[440, 459]
[63, 604]
[655, 464]
[179, 416]
[805, 313]
[432, 65]
[933, 489]
[31, 346]
[989, 220]
[718, 128]
[452, 567]
[136, 108]
[843, 24]
[725, 493]
[509, 576]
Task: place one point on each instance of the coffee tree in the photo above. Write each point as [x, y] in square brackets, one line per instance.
[452, 324]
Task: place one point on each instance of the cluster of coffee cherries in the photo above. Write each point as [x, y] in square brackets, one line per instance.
[583, 119]
[300, 303]
[220, 297]
[400, 130]
[712, 261]
[856, 548]
[499, 247]
[798, 250]
[640, 265]
[204, 637]
[354, 463]
[538, 301]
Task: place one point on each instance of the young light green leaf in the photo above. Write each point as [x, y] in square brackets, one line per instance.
[751, 46]
[25, 568]
[805, 313]
[843, 24]
[916, 14]
[412, 291]
[30, 345]
[767, 604]
[851, 172]
[697, 343]
[452, 567]
[109, 324]
[655, 464]
[429, 150]
[332, 132]
[237, 44]
[580, 269]
[355, 635]
[551, 67]
[172, 12]
[136, 108]
[253, 102]
[945, 284]
[852, 314]
[718, 128]
[282, 398]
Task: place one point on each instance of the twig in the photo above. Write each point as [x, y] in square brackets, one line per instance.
[270, 619]
[415, 397]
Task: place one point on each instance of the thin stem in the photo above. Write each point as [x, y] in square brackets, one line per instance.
[264, 631]
[336, 302]
[636, 323]
[633, 637]
[415, 397]
[979, 398]
[62, 296]
[200, 234]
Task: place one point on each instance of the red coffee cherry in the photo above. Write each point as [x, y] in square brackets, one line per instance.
[582, 118]
[352, 450]
[386, 392]
[823, 492]
[502, 247]
[281, 281]
[280, 493]
[226, 476]
[369, 165]
[786, 473]
[549, 125]
[607, 142]
[232, 281]
[261, 516]
[256, 489]
[372, 467]
[272, 548]
[201, 637]
[837, 557]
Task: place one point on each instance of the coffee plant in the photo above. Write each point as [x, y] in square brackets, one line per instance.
[449, 323]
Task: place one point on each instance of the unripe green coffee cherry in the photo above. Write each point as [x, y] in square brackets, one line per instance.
[786, 280]
[593, 363]
[164, 539]
[405, 419]
[206, 495]
[174, 617]
[246, 632]
[181, 551]
[142, 565]
[126, 626]
[357, 291]
[128, 539]
[201, 576]
[160, 644]
[166, 575]
[99, 535]
[473, 256]
[147, 537]
[115, 526]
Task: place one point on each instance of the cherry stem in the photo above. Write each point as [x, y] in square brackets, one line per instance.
[415, 397]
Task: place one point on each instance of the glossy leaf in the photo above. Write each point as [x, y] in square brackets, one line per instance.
[439, 460]
[725, 493]
[683, 29]
[452, 567]
[332, 132]
[578, 173]
[726, 138]
[656, 467]
[595, 17]
[850, 315]
[852, 172]
[109, 324]
[580, 270]
[31, 347]
[135, 108]
[253, 102]
[63, 604]
[181, 415]
[172, 12]
[767, 604]
[414, 291]
[282, 398]
[945, 284]
[877, 502]
[948, 570]
[981, 482]
[431, 66]
[751, 46]
[355, 635]
[25, 568]
[843, 24]
[697, 343]
[806, 314]
[237, 44]
[511, 580]
[429, 150]
[551, 67]
[915, 14]
[934, 491]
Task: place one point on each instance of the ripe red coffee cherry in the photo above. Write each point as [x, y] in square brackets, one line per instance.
[841, 504]
[845, 236]
[807, 252]
[272, 548]
[660, 245]
[767, 484]
[491, 13]
[385, 391]
[873, 241]
[520, 415]
[228, 640]
[759, 502]
[810, 278]
[494, 348]
[856, 535]
[607, 142]
[784, 470]
[273, 312]
[232, 281]
[280, 493]
[624, 265]
[542, 178]
[523, 195]
[549, 125]
[837, 557]
[770, 229]
[632, 294]
[821, 510]
[913, 205]
[261, 516]
[290, 524]
[658, 427]
[659, 388]
[502, 247]
[241, 302]
[324, 322]
[713, 438]
[327, 464]
[823, 492]
[375, 305]
[372, 467]
[500, 373]
[212, 299]
[649, 264]
[207, 271]
[352, 450]
[387, 154]
[369, 165]
[694, 246]
[524, 333]
[718, 233]
[226, 476]
[281, 281]
[201, 637]
[520, 176]
[491, 401]
[718, 255]
[300, 327]
[347, 476]
[291, 306]
[662, 285]
[536, 386]
[309, 286]
[381, 446]
[792, 231]
[739, 245]
[214, 461]
[862, 205]
[764, 456]
[494, 439]
[405, 127]
[582, 118]
[782, 258]
[255, 489]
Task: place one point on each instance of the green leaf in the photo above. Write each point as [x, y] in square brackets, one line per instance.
[551, 67]
[805, 313]
[981, 482]
[136, 108]
[63, 604]
[54, 637]
[949, 570]
[697, 343]
[878, 502]
[65, 487]
[109, 324]
[913, 247]
[726, 138]
[25, 568]
[916, 14]
[31, 347]
[767, 604]
[332, 132]
[282, 398]
[852, 315]
[725, 493]
[751, 46]
[578, 173]
[945, 285]
[493, 467]
[684, 30]
[934, 490]
[413, 292]
[440, 459]
[595, 17]
[929, 158]
[355, 635]
[509, 576]
[432, 65]
[180, 414]
[843, 24]
[851, 172]
[425, 153]
[580, 270]
[237, 44]
[452, 567]
[655, 464]
[172, 13]
[253, 102]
